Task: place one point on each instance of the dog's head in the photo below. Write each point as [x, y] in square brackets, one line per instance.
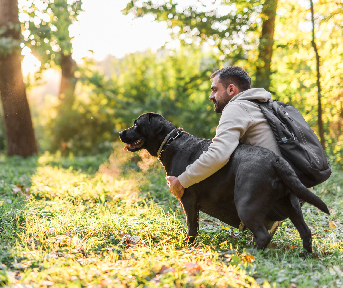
[148, 132]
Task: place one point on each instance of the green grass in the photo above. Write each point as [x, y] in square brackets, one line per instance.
[93, 222]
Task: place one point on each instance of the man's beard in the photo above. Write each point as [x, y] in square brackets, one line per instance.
[219, 105]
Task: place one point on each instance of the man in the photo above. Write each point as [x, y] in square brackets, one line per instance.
[241, 122]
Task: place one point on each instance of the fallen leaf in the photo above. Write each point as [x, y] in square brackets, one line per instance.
[248, 258]
[21, 187]
[210, 221]
[338, 270]
[17, 276]
[16, 190]
[127, 238]
[63, 240]
[76, 240]
[135, 239]
[209, 262]
[30, 240]
[51, 231]
[131, 240]
[332, 225]
[106, 282]
[21, 265]
[315, 256]
[193, 268]
[47, 283]
[50, 256]
[156, 280]
[165, 269]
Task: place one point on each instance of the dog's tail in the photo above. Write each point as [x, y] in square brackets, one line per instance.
[291, 180]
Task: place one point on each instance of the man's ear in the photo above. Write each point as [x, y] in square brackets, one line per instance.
[232, 90]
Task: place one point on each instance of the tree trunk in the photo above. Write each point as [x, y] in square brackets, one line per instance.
[340, 119]
[68, 80]
[16, 112]
[266, 45]
[320, 113]
[67, 98]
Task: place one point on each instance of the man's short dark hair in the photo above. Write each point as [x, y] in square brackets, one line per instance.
[233, 75]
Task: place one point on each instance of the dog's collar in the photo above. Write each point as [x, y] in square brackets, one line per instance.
[176, 132]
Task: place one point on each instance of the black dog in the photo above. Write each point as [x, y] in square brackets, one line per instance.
[256, 188]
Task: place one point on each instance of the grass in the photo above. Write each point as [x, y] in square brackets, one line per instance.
[99, 222]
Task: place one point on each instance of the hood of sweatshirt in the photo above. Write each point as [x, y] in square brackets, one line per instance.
[253, 94]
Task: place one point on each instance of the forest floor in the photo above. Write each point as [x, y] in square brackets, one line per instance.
[101, 221]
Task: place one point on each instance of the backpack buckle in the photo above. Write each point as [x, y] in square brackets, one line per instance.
[284, 140]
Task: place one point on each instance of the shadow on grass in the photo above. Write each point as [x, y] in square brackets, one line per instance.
[16, 179]
[15, 183]
[86, 164]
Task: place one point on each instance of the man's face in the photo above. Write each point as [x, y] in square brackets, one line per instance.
[219, 95]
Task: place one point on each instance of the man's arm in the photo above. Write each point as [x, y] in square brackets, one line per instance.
[232, 126]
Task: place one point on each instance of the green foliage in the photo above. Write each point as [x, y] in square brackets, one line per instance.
[143, 82]
[176, 83]
[87, 126]
[232, 28]
[7, 43]
[223, 25]
[2, 133]
[46, 28]
[167, 84]
[294, 79]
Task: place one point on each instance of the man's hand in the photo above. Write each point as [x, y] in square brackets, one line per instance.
[175, 187]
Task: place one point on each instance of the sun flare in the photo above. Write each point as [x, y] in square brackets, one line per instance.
[30, 63]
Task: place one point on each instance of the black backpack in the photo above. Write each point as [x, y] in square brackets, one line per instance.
[297, 142]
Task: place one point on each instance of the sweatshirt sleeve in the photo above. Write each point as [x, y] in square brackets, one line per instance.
[232, 125]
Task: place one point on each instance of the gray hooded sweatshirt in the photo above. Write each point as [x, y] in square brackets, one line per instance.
[241, 122]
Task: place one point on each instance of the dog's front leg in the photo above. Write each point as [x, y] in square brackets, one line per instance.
[192, 215]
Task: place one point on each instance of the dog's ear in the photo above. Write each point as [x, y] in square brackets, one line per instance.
[150, 116]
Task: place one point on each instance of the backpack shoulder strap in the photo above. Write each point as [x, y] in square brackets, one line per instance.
[280, 130]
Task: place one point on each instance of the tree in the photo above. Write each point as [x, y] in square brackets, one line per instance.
[46, 31]
[16, 113]
[263, 66]
[295, 75]
[320, 113]
[233, 33]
